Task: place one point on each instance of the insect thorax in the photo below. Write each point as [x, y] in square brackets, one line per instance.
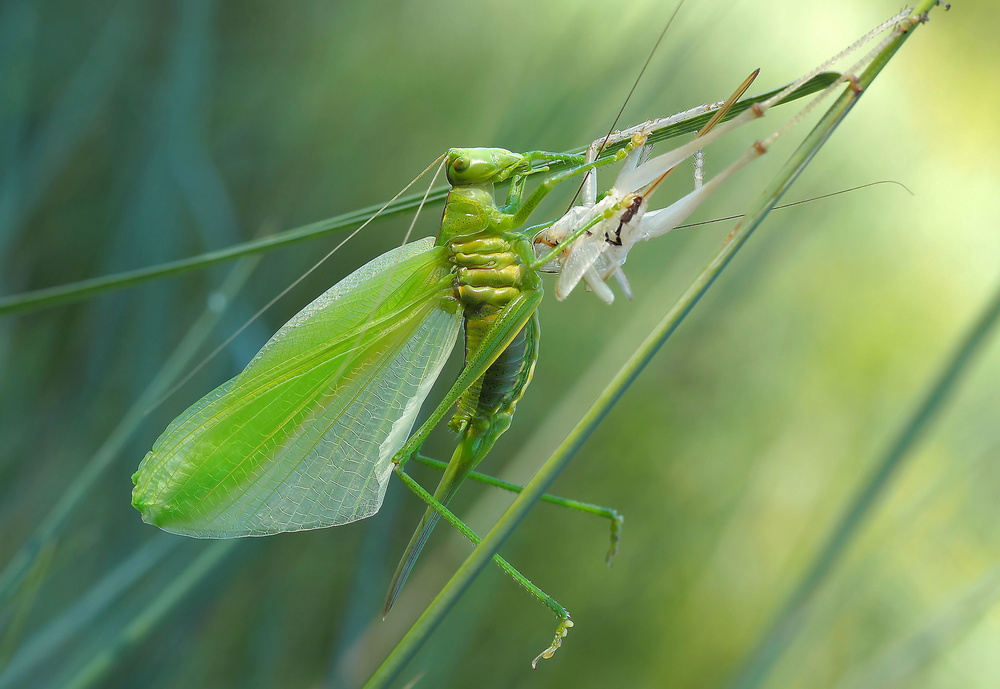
[490, 264]
[469, 211]
[491, 270]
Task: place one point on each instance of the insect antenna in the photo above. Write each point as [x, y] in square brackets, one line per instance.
[406, 238]
[799, 203]
[716, 119]
[621, 110]
[225, 343]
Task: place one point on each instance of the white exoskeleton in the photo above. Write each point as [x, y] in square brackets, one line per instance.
[594, 238]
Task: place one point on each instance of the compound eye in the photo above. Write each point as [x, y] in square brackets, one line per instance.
[461, 164]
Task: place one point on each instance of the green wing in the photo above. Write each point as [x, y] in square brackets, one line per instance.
[304, 437]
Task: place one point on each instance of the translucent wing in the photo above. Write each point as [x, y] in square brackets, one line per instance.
[583, 254]
[304, 437]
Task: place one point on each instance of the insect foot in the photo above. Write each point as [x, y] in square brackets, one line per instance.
[561, 631]
[617, 522]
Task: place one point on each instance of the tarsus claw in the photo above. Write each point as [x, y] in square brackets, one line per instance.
[561, 631]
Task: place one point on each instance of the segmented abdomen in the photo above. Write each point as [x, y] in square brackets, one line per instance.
[490, 276]
[489, 404]
[504, 381]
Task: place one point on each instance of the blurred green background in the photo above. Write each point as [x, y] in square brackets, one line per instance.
[134, 132]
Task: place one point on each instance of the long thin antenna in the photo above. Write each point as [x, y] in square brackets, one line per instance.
[799, 203]
[260, 312]
[621, 110]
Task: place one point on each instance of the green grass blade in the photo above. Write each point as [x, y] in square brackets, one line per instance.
[92, 287]
[539, 484]
[86, 289]
[694, 124]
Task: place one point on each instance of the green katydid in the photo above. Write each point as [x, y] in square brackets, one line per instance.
[309, 433]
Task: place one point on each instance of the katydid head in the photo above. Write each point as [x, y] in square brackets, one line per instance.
[481, 165]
